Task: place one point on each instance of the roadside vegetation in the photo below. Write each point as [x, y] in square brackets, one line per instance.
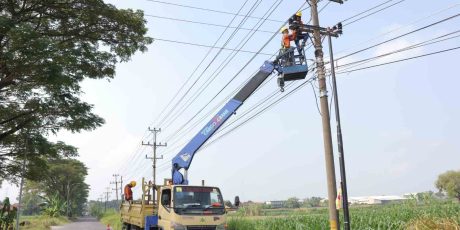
[42, 65]
[111, 217]
[42, 222]
[412, 214]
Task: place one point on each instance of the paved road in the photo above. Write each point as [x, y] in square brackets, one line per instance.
[86, 223]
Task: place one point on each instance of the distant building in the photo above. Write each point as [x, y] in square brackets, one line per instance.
[376, 199]
[276, 203]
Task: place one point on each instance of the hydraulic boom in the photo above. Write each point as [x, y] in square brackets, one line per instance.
[290, 67]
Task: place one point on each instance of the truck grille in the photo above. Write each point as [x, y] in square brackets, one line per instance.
[195, 227]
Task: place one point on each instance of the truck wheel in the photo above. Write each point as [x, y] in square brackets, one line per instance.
[126, 226]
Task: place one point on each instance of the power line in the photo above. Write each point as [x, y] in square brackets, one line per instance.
[400, 36]
[372, 13]
[187, 104]
[202, 23]
[209, 10]
[207, 46]
[196, 68]
[245, 65]
[418, 45]
[382, 35]
[245, 121]
[222, 66]
[302, 10]
[368, 11]
[253, 116]
[213, 59]
[400, 60]
[365, 11]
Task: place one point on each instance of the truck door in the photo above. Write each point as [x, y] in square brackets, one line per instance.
[164, 209]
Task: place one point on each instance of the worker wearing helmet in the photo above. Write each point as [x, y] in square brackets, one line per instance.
[296, 24]
[128, 192]
[286, 52]
[286, 38]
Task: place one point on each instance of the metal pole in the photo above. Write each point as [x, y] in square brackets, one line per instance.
[18, 212]
[327, 138]
[346, 214]
[121, 188]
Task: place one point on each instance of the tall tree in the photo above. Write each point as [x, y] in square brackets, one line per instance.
[449, 182]
[64, 180]
[47, 48]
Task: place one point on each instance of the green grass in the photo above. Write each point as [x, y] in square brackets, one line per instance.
[112, 217]
[396, 216]
[42, 222]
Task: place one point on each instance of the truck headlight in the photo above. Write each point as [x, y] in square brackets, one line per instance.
[221, 226]
[177, 226]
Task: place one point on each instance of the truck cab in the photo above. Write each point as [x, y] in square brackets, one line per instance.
[176, 207]
[184, 207]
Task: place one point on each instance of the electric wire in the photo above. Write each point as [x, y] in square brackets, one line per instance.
[400, 60]
[372, 13]
[224, 64]
[382, 35]
[256, 3]
[206, 46]
[207, 9]
[202, 23]
[400, 36]
[196, 68]
[245, 64]
[172, 116]
[241, 69]
[190, 77]
[360, 13]
[410, 58]
[417, 45]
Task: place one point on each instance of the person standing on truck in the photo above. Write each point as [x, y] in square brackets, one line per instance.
[129, 192]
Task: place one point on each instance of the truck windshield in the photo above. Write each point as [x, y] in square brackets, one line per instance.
[198, 200]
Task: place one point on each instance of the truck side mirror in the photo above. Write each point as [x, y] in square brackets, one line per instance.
[237, 201]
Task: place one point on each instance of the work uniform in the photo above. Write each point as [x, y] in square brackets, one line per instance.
[287, 52]
[128, 193]
[286, 41]
[297, 34]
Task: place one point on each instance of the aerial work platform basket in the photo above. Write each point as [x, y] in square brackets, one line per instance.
[291, 66]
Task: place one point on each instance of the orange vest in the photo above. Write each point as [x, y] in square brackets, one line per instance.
[128, 193]
[286, 41]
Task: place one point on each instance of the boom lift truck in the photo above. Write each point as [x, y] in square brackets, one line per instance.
[181, 206]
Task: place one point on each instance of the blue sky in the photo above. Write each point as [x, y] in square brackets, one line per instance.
[399, 121]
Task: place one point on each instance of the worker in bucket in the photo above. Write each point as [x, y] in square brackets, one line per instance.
[286, 52]
[128, 192]
[296, 23]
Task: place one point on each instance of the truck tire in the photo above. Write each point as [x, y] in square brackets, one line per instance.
[126, 226]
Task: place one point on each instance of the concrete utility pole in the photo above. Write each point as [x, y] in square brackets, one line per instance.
[106, 198]
[116, 182]
[343, 178]
[325, 117]
[154, 146]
